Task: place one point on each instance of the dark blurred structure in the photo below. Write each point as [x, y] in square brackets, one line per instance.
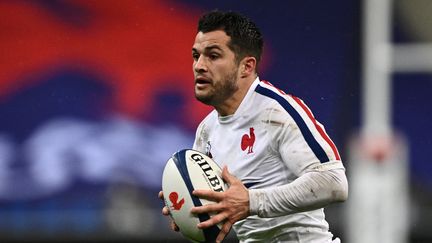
[96, 95]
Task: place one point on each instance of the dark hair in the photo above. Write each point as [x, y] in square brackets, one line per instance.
[246, 38]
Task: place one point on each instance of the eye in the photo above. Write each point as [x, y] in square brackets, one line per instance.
[213, 56]
[195, 56]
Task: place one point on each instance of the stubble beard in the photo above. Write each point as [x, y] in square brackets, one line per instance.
[220, 91]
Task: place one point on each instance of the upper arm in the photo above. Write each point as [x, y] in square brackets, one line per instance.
[303, 142]
[199, 139]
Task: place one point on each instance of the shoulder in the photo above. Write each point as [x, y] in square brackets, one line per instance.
[281, 105]
[302, 122]
[210, 119]
[202, 131]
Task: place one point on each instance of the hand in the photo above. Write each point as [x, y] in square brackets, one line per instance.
[165, 211]
[231, 205]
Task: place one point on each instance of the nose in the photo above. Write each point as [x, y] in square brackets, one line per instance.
[200, 65]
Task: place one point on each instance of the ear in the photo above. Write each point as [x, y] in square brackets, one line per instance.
[248, 66]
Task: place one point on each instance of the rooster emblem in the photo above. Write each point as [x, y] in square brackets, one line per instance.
[248, 141]
[173, 197]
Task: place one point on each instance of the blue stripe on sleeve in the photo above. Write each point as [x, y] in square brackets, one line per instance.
[310, 139]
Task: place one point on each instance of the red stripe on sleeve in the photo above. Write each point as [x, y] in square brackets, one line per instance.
[320, 130]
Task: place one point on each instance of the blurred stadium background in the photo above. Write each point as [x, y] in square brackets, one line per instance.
[96, 95]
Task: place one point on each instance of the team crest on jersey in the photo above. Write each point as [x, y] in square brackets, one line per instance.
[248, 140]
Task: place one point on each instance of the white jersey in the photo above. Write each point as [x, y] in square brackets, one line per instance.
[271, 140]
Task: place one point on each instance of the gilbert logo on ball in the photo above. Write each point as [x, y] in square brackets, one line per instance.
[184, 172]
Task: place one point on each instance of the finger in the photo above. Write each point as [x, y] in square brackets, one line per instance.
[208, 208]
[160, 195]
[215, 219]
[209, 195]
[165, 211]
[224, 232]
[227, 176]
[174, 226]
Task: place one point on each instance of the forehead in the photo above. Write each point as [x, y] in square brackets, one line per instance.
[217, 38]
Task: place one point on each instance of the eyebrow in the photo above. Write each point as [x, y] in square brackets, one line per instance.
[209, 48]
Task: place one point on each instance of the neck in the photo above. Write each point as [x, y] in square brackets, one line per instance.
[230, 105]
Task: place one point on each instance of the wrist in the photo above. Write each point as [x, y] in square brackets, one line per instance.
[255, 201]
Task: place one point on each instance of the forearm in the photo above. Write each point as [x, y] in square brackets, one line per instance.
[312, 190]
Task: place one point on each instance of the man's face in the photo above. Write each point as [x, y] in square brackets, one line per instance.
[215, 68]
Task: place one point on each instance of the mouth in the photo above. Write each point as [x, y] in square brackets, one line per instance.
[202, 81]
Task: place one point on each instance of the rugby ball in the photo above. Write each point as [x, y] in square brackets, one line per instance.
[185, 171]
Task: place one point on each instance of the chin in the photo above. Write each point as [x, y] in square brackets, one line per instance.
[201, 94]
[206, 99]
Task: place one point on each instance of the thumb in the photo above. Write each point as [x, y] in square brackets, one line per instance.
[227, 176]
